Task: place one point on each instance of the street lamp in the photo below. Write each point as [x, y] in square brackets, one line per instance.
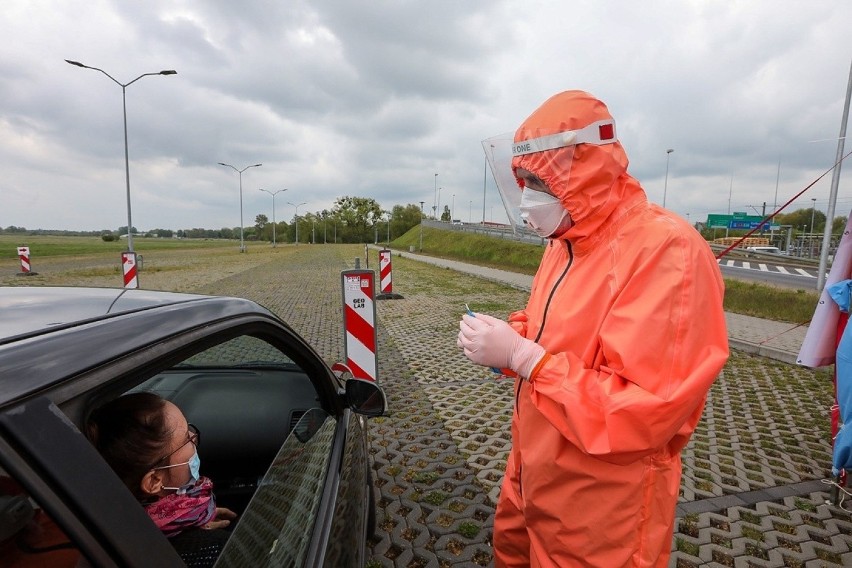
[435, 202]
[296, 205]
[126, 153]
[666, 183]
[439, 202]
[813, 211]
[810, 241]
[242, 243]
[273, 194]
[453, 209]
[421, 226]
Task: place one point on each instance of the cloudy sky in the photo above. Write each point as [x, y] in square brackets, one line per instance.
[373, 98]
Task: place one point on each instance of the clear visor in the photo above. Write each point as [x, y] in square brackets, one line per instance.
[498, 151]
[501, 149]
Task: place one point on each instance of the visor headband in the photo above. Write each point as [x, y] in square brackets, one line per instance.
[597, 133]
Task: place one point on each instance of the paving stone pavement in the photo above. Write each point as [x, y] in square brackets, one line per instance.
[751, 493]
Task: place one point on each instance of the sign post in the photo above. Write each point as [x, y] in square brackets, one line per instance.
[129, 268]
[386, 277]
[24, 256]
[359, 323]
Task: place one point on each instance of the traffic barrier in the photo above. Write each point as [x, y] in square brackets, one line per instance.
[24, 256]
[359, 323]
[129, 268]
[386, 277]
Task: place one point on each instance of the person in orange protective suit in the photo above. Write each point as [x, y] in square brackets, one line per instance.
[620, 341]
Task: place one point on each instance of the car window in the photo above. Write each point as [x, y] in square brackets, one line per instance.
[28, 535]
[276, 528]
[245, 351]
[344, 543]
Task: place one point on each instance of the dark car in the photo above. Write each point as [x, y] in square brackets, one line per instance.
[284, 437]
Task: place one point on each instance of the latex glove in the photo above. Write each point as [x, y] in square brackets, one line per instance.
[518, 321]
[492, 342]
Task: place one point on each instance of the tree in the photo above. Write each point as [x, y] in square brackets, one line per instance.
[446, 216]
[261, 222]
[357, 217]
[801, 218]
[404, 218]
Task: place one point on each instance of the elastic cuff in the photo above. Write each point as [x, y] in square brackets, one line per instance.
[539, 365]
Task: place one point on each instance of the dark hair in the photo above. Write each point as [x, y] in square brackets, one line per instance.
[130, 433]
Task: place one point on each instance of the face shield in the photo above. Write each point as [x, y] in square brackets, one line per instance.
[547, 157]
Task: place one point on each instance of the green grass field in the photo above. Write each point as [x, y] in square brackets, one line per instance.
[53, 246]
[780, 304]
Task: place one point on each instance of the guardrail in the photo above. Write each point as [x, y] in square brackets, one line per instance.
[496, 231]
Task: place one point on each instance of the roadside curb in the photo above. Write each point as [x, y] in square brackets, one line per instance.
[763, 351]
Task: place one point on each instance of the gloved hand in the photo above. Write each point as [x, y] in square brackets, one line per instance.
[492, 342]
[518, 320]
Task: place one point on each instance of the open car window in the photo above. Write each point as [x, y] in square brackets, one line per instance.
[28, 535]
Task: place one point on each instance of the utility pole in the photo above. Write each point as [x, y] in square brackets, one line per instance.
[835, 182]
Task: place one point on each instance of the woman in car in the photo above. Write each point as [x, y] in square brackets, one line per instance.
[153, 449]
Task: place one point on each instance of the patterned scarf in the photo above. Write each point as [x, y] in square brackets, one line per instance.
[175, 513]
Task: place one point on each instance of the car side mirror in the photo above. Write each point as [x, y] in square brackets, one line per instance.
[365, 397]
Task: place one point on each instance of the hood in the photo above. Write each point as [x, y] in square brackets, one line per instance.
[597, 181]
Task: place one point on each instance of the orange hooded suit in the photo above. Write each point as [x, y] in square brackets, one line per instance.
[628, 305]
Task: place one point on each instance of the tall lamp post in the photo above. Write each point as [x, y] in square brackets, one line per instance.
[126, 153]
[666, 183]
[421, 226]
[813, 228]
[273, 194]
[242, 242]
[296, 205]
[435, 202]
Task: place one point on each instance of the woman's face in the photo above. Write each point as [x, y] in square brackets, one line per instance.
[181, 447]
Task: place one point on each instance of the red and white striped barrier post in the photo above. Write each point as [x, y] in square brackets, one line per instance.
[386, 277]
[129, 268]
[24, 255]
[359, 322]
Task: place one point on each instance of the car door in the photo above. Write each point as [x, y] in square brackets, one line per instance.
[60, 504]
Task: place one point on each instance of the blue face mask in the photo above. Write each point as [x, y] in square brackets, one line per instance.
[194, 464]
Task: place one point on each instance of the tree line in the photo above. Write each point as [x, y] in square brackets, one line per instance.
[350, 220]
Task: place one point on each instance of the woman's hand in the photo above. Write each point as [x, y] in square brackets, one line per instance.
[222, 519]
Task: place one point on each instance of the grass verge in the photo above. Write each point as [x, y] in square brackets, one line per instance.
[747, 298]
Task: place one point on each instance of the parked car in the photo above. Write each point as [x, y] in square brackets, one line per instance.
[284, 435]
[765, 250]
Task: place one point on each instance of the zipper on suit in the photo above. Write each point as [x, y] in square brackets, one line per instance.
[537, 337]
[544, 315]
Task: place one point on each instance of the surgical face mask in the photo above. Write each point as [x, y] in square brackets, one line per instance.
[194, 464]
[543, 213]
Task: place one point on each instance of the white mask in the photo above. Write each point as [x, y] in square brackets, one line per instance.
[543, 213]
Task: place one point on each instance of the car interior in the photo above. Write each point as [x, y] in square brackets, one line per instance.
[245, 396]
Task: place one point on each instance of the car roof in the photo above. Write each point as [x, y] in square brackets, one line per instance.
[32, 308]
[82, 327]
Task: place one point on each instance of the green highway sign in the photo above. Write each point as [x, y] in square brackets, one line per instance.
[738, 220]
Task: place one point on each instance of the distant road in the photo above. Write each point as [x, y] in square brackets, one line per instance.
[789, 276]
[778, 272]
